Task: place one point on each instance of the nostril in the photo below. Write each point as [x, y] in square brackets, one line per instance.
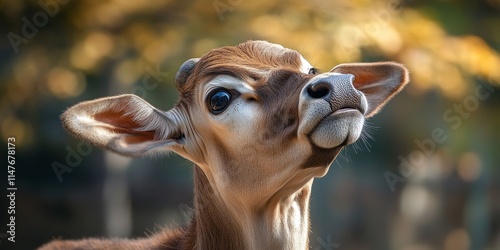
[318, 90]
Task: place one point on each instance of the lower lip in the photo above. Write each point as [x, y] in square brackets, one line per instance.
[344, 110]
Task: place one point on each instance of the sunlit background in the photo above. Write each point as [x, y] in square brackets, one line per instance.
[429, 179]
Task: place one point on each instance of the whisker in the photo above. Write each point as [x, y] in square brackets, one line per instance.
[345, 155]
[366, 135]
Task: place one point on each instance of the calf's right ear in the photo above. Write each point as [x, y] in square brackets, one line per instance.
[125, 124]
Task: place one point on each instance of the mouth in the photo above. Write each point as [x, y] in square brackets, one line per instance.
[336, 114]
[339, 128]
[344, 111]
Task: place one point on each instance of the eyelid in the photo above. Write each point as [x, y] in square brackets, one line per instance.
[234, 93]
[314, 71]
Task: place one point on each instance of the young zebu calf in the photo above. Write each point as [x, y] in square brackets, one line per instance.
[260, 123]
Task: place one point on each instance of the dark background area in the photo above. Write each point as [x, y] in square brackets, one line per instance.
[55, 54]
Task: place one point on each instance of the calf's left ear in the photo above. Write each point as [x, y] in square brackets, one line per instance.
[379, 82]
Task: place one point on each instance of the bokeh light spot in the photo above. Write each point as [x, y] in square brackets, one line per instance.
[469, 166]
[64, 83]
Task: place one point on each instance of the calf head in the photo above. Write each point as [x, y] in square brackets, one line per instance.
[257, 118]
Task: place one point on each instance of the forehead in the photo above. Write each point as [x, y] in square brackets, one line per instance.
[251, 60]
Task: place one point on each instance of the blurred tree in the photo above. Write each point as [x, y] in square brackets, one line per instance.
[55, 53]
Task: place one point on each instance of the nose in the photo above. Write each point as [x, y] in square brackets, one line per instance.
[320, 89]
[338, 90]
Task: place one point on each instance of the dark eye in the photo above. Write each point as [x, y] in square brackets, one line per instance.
[219, 101]
[313, 71]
